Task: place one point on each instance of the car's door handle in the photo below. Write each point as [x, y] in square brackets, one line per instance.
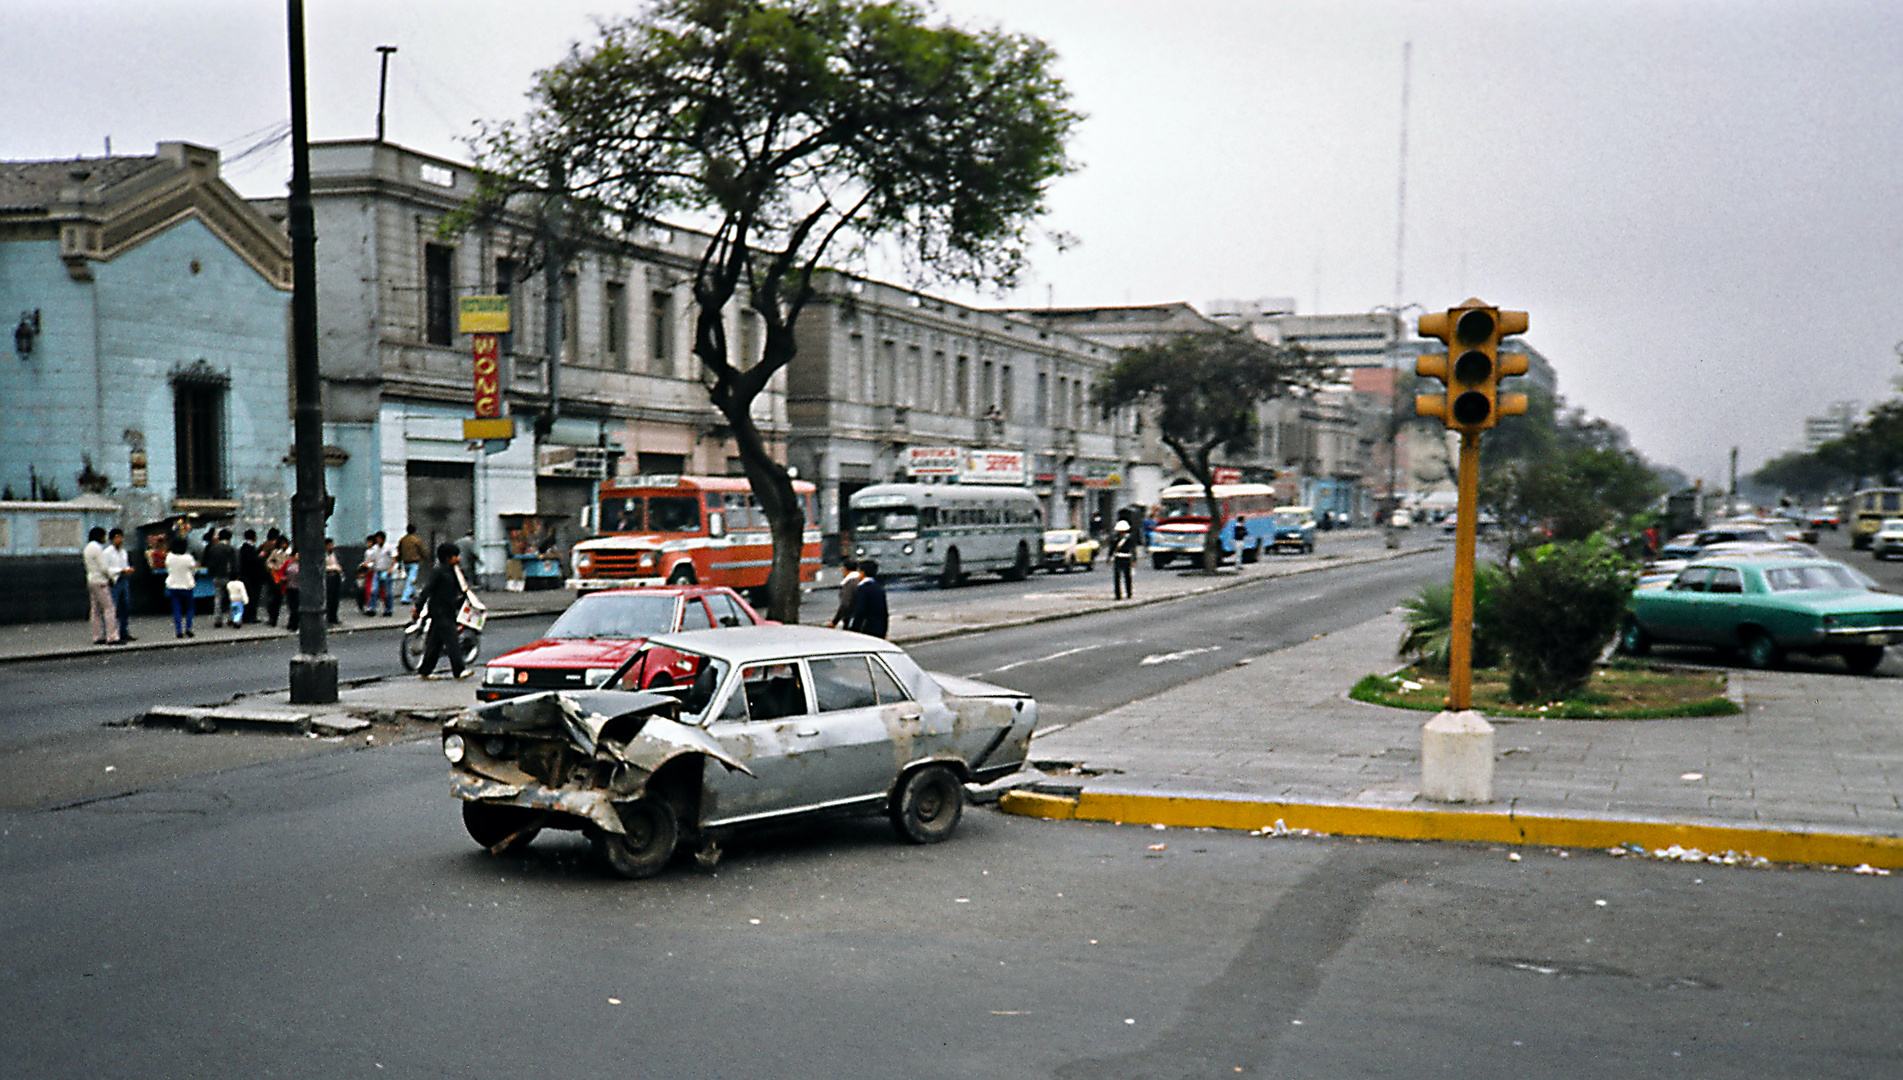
[804, 732]
[911, 714]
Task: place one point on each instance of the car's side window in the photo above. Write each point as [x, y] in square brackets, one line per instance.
[1726, 580]
[694, 617]
[726, 612]
[773, 690]
[842, 682]
[1691, 579]
[887, 687]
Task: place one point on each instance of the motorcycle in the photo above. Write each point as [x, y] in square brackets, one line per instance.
[469, 638]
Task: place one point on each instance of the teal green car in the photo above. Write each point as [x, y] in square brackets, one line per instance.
[1762, 609]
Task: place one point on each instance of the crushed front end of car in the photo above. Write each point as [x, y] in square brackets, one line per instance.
[571, 760]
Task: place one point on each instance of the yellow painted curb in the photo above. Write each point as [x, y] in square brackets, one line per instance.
[1485, 826]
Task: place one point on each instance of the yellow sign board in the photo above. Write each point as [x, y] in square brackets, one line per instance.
[501, 427]
[482, 315]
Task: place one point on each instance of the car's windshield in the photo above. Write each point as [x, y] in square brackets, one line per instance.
[1182, 508]
[616, 615]
[1801, 578]
[884, 520]
[1287, 519]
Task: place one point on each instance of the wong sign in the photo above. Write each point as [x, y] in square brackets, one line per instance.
[488, 377]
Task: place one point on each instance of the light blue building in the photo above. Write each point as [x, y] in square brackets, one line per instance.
[148, 359]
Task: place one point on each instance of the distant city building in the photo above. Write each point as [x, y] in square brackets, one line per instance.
[1833, 425]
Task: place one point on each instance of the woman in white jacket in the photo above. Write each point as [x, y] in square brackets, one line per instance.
[181, 578]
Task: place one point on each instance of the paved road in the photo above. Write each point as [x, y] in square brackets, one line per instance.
[326, 917]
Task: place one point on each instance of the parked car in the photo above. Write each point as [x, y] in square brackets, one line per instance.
[773, 722]
[1765, 607]
[1888, 540]
[602, 629]
[1660, 572]
[1294, 529]
[1068, 549]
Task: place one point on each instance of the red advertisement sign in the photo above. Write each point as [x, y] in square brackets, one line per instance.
[488, 377]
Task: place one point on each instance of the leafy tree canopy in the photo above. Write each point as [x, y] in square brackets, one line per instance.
[1203, 389]
[795, 132]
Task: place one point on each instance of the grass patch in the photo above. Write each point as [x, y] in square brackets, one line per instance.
[1623, 690]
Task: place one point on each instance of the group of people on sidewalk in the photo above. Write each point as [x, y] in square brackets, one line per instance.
[861, 600]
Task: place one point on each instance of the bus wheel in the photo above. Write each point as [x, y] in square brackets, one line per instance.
[682, 574]
[1020, 569]
[1161, 561]
[952, 574]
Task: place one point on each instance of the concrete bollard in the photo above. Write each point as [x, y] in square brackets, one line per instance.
[1457, 758]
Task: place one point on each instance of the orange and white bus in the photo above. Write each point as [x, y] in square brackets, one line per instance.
[705, 530]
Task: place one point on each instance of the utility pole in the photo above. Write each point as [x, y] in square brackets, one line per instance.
[553, 261]
[383, 83]
[313, 669]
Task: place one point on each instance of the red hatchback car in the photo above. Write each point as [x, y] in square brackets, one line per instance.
[602, 629]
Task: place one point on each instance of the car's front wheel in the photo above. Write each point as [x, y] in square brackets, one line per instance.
[641, 851]
[928, 805]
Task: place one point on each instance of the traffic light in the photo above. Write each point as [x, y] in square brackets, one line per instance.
[1472, 366]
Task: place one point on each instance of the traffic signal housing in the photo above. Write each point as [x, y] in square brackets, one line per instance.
[1472, 366]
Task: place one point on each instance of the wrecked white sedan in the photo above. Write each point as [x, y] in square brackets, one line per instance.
[762, 723]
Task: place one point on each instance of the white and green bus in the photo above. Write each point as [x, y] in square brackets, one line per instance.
[946, 531]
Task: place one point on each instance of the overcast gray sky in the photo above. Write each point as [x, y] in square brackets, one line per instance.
[1697, 202]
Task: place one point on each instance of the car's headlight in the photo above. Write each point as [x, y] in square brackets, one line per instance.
[499, 676]
[454, 749]
[583, 560]
[595, 676]
[907, 549]
[646, 560]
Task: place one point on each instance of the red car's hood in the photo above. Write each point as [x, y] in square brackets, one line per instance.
[570, 653]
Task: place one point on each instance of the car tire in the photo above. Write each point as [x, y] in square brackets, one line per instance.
[1633, 640]
[682, 574]
[1862, 659]
[953, 573]
[928, 805]
[1021, 566]
[1757, 650]
[1161, 562]
[653, 830]
[499, 829]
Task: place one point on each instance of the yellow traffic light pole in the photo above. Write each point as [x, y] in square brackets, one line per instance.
[1457, 745]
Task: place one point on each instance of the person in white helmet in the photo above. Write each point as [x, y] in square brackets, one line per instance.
[1123, 558]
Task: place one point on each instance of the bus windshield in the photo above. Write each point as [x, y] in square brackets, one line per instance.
[1288, 519]
[1175, 509]
[893, 521]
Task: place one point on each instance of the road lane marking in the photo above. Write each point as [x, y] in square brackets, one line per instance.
[1043, 659]
[1164, 658]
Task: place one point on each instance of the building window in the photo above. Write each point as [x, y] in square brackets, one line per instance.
[439, 289]
[1006, 399]
[1043, 405]
[571, 318]
[661, 332]
[505, 286]
[961, 387]
[198, 430]
[614, 324]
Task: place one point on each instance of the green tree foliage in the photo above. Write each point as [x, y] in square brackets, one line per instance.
[1428, 617]
[1570, 496]
[1204, 389]
[1557, 612]
[795, 131]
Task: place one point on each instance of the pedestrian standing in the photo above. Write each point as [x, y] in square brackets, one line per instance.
[239, 596]
[410, 553]
[276, 550]
[384, 564]
[252, 571]
[221, 562]
[848, 585]
[181, 580]
[1123, 557]
[333, 582]
[868, 602]
[367, 574]
[99, 609]
[442, 595]
[288, 573]
[119, 565]
[471, 558]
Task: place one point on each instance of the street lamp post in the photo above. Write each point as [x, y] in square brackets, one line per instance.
[1393, 502]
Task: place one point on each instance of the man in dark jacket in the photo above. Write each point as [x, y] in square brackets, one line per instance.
[868, 602]
[442, 595]
[221, 562]
[253, 572]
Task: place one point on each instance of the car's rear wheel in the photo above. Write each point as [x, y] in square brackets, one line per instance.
[1021, 566]
[501, 829]
[681, 575]
[641, 851]
[928, 805]
[1633, 640]
[1757, 650]
[1862, 659]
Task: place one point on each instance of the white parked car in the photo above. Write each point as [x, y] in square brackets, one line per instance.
[763, 723]
[1888, 540]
